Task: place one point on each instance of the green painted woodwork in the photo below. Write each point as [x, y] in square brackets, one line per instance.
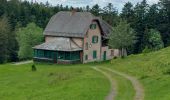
[94, 54]
[93, 26]
[57, 55]
[104, 55]
[95, 39]
[43, 53]
[75, 55]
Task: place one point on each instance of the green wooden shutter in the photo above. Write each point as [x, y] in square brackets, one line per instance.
[94, 26]
[93, 39]
[86, 57]
[91, 26]
[94, 54]
[96, 39]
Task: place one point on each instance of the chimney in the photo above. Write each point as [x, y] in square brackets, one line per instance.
[73, 11]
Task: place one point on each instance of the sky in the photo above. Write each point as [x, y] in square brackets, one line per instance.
[82, 3]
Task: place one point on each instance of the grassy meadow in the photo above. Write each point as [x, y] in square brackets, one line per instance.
[52, 82]
[81, 82]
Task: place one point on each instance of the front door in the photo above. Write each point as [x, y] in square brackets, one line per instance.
[104, 55]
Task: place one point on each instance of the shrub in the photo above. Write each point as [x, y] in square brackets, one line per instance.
[167, 72]
[33, 68]
[146, 50]
[144, 76]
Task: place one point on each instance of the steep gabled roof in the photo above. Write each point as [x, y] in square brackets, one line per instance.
[106, 28]
[68, 24]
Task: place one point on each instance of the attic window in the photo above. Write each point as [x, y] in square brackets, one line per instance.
[93, 26]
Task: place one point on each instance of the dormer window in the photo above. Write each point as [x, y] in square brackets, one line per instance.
[93, 26]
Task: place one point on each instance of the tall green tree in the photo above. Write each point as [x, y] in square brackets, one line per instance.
[27, 38]
[4, 31]
[96, 10]
[110, 14]
[164, 25]
[152, 17]
[140, 24]
[153, 40]
[122, 36]
[87, 8]
[128, 13]
[3, 4]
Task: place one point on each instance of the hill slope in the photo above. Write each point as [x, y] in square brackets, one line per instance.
[152, 69]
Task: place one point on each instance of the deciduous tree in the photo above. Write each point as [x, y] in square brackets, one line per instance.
[153, 40]
[27, 38]
[122, 36]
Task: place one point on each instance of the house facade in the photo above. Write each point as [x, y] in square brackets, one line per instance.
[75, 37]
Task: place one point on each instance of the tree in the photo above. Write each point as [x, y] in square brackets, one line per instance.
[164, 25]
[110, 14]
[128, 13]
[3, 7]
[87, 8]
[4, 31]
[140, 24]
[96, 10]
[122, 36]
[27, 38]
[153, 40]
[153, 18]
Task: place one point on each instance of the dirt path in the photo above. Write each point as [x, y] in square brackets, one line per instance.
[21, 63]
[136, 84]
[112, 92]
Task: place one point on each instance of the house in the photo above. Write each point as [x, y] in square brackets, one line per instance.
[75, 37]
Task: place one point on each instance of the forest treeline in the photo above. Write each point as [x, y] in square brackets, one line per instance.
[17, 14]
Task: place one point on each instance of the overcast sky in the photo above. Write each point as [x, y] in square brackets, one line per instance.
[82, 3]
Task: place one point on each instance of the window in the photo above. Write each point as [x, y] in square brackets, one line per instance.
[75, 55]
[47, 54]
[95, 39]
[61, 55]
[86, 46]
[67, 56]
[93, 26]
[86, 57]
[40, 53]
[94, 54]
[112, 53]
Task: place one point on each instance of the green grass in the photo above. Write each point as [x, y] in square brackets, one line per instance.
[80, 82]
[125, 90]
[152, 69]
[52, 82]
